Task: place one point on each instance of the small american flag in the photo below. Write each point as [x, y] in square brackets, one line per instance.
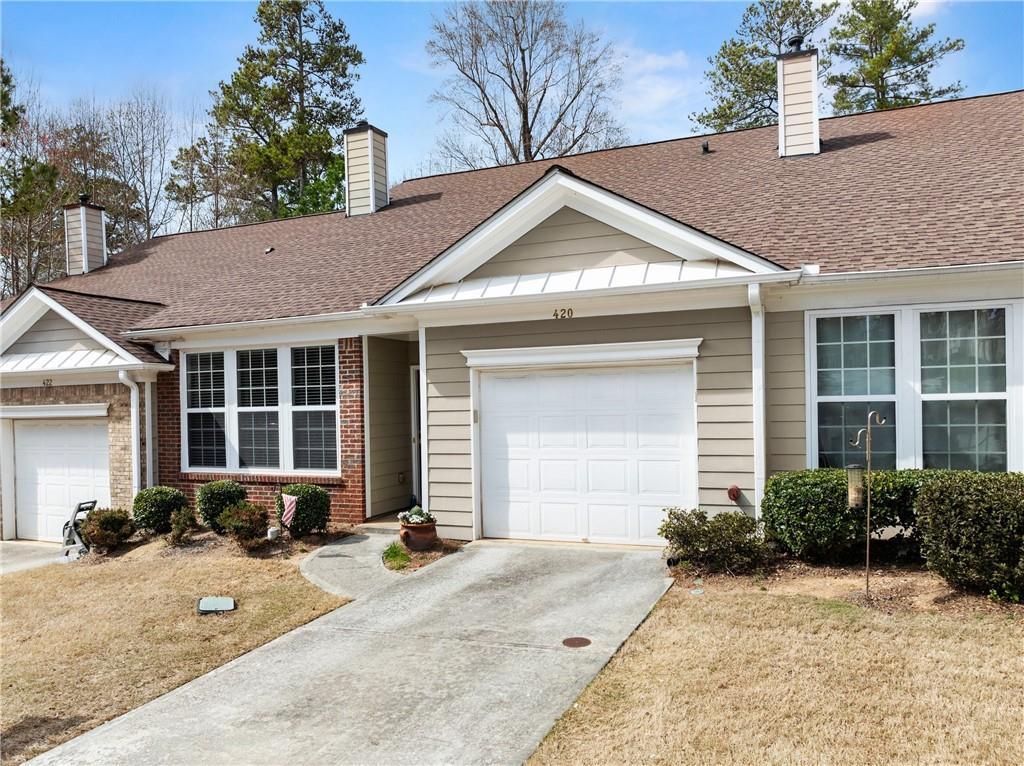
[289, 502]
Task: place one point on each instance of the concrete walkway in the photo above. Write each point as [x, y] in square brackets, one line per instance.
[351, 566]
[462, 662]
[18, 555]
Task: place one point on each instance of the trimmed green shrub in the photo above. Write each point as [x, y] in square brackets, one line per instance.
[972, 527]
[246, 523]
[726, 542]
[107, 528]
[806, 511]
[183, 523]
[312, 511]
[214, 498]
[154, 506]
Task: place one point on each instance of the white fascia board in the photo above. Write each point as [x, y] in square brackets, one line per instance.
[553, 192]
[849, 290]
[57, 372]
[597, 354]
[54, 411]
[20, 317]
[72, 318]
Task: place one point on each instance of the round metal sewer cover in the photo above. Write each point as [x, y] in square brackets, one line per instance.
[576, 642]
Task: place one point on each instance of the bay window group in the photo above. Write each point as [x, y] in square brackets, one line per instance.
[261, 409]
[938, 377]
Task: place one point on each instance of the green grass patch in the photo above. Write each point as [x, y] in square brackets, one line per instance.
[396, 557]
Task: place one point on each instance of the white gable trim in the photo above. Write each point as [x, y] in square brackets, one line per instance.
[31, 307]
[558, 189]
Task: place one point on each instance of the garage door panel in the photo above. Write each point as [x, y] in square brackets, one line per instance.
[602, 467]
[57, 465]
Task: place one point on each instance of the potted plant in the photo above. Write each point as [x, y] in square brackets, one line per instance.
[419, 529]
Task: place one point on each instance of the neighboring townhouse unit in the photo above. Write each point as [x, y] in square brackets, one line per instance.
[555, 350]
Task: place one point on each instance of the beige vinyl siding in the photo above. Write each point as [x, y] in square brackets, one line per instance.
[724, 397]
[52, 332]
[785, 394]
[390, 425]
[357, 168]
[380, 169]
[94, 231]
[73, 234]
[569, 240]
[798, 104]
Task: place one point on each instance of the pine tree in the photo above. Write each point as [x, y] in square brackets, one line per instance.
[742, 76]
[287, 102]
[890, 60]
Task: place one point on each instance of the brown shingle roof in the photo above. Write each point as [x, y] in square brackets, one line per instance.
[931, 185]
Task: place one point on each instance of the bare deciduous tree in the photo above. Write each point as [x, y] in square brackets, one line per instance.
[526, 84]
[141, 136]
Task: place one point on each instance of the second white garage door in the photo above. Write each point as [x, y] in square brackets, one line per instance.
[57, 465]
[593, 455]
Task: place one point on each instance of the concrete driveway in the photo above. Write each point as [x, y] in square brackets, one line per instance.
[16, 555]
[462, 662]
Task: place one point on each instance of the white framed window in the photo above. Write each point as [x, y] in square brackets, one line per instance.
[964, 389]
[948, 379]
[255, 410]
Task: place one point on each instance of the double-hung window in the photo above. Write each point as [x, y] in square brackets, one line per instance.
[206, 408]
[314, 418]
[938, 375]
[253, 410]
[856, 373]
[963, 389]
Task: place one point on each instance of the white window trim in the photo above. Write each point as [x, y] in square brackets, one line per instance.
[285, 409]
[909, 400]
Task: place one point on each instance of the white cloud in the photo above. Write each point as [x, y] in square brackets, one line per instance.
[659, 92]
[929, 8]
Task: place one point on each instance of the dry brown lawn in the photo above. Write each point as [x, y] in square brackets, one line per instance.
[798, 669]
[84, 642]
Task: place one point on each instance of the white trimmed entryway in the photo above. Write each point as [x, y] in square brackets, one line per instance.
[584, 443]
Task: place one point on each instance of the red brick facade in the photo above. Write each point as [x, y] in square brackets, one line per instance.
[348, 498]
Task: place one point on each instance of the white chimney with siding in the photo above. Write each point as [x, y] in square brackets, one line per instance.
[85, 236]
[366, 169]
[798, 100]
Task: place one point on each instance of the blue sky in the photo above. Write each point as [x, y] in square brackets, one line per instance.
[103, 50]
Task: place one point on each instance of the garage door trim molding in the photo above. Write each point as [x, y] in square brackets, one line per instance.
[596, 354]
[554, 357]
[54, 411]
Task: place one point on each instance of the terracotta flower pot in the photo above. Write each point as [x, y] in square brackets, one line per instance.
[418, 537]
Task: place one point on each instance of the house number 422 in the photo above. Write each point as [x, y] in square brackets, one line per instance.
[562, 314]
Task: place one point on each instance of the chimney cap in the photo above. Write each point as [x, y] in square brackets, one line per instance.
[795, 42]
[84, 198]
[362, 126]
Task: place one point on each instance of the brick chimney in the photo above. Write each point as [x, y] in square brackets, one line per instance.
[798, 100]
[85, 236]
[366, 169]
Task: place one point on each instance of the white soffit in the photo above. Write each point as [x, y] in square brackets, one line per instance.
[633, 275]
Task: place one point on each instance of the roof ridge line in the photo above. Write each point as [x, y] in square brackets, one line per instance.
[642, 144]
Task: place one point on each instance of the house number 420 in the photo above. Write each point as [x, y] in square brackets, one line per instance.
[562, 314]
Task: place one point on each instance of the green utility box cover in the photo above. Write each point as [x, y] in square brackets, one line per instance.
[215, 604]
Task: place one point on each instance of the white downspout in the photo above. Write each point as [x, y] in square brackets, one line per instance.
[123, 376]
[757, 366]
[150, 436]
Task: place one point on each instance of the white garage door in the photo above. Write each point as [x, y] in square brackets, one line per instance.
[57, 464]
[593, 455]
